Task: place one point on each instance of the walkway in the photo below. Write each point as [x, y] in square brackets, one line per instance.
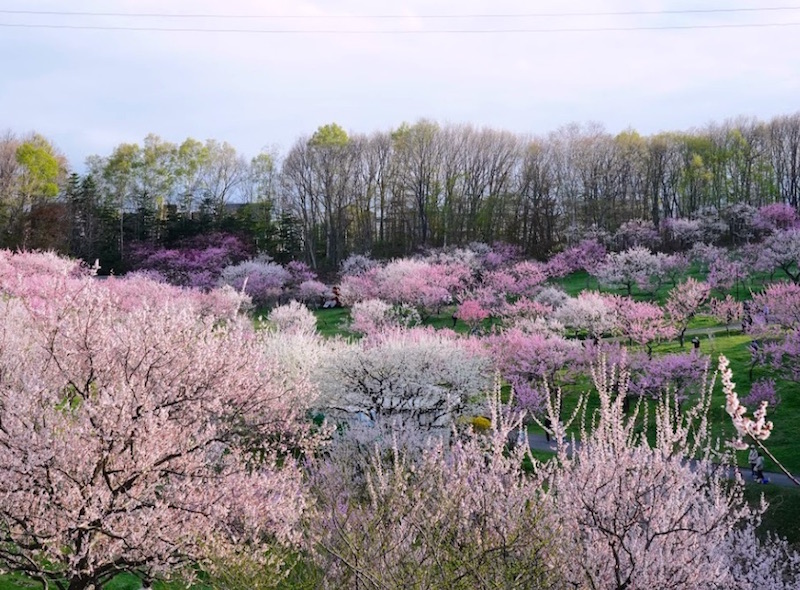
[539, 442]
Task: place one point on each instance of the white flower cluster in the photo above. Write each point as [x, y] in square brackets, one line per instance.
[756, 427]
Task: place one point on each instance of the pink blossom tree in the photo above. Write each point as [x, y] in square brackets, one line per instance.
[778, 305]
[674, 266]
[533, 362]
[369, 316]
[680, 233]
[725, 273]
[358, 287]
[313, 293]
[683, 303]
[635, 513]
[776, 217]
[636, 232]
[583, 256]
[642, 323]
[127, 431]
[471, 313]
[781, 252]
[726, 310]
[681, 376]
[781, 354]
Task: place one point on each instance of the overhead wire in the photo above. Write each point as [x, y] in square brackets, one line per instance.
[470, 30]
[403, 16]
[398, 31]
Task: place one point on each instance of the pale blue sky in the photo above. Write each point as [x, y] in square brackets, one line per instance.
[89, 90]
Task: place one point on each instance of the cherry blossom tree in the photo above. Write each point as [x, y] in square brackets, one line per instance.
[263, 280]
[726, 310]
[683, 302]
[358, 287]
[725, 273]
[137, 435]
[781, 354]
[674, 266]
[583, 256]
[369, 316]
[680, 233]
[635, 513]
[471, 313]
[776, 217]
[636, 232]
[634, 267]
[533, 362]
[313, 293]
[425, 285]
[781, 251]
[777, 305]
[762, 390]
[641, 322]
[293, 318]
[590, 311]
[678, 375]
[458, 516]
[421, 378]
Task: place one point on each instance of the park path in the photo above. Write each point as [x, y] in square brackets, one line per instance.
[539, 442]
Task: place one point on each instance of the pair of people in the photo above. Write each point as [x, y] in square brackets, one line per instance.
[756, 461]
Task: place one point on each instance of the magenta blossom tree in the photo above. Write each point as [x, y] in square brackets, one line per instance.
[584, 256]
[531, 362]
[678, 375]
[195, 262]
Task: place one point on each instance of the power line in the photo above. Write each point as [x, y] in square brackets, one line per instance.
[404, 16]
[398, 31]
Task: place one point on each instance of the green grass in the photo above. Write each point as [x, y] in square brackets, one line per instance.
[333, 322]
[783, 515]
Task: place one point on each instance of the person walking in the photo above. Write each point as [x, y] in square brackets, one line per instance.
[752, 457]
[759, 469]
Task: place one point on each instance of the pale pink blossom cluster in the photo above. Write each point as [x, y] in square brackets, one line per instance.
[136, 432]
[293, 318]
[590, 311]
[756, 427]
[634, 267]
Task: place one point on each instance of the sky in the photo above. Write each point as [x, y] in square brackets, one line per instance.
[520, 65]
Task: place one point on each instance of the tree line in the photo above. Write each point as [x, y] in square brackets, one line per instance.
[391, 193]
